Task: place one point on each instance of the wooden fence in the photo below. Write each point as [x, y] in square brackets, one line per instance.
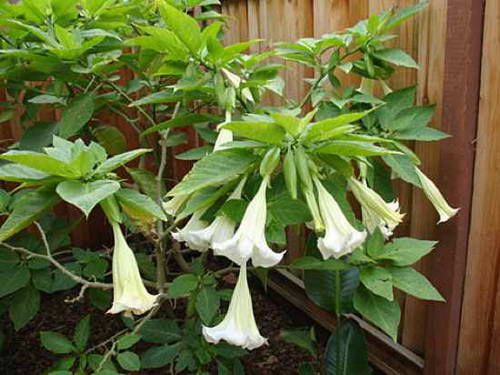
[457, 43]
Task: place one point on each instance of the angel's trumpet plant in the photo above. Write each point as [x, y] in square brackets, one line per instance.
[444, 210]
[249, 241]
[238, 327]
[373, 202]
[340, 237]
[173, 206]
[129, 293]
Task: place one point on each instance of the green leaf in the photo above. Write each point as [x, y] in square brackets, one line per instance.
[159, 356]
[26, 210]
[56, 343]
[421, 134]
[267, 132]
[24, 306]
[119, 160]
[301, 338]
[41, 162]
[378, 280]
[195, 153]
[318, 129]
[111, 138]
[14, 279]
[397, 57]
[38, 136]
[8, 259]
[76, 115]
[353, 148]
[291, 124]
[403, 166]
[320, 285]
[129, 361]
[140, 203]
[86, 195]
[160, 331]
[346, 352]
[19, 173]
[207, 304]
[313, 263]
[183, 285]
[146, 181]
[404, 14]
[381, 312]
[189, 119]
[127, 341]
[288, 211]
[413, 282]
[412, 118]
[185, 27]
[166, 96]
[405, 251]
[216, 168]
[82, 333]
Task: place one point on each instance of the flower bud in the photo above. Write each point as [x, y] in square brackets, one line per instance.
[303, 168]
[270, 161]
[290, 172]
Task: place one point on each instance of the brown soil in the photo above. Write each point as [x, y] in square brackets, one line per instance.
[24, 355]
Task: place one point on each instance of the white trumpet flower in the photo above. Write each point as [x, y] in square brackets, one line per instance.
[373, 202]
[372, 221]
[188, 233]
[341, 237]
[129, 293]
[444, 210]
[249, 241]
[173, 206]
[221, 229]
[238, 327]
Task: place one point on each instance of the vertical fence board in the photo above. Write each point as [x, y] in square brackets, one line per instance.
[479, 348]
[456, 161]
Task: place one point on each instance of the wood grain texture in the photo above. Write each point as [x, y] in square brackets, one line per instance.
[446, 266]
[479, 349]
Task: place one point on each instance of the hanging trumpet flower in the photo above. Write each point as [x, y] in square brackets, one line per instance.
[173, 206]
[372, 221]
[238, 327]
[188, 233]
[249, 241]
[444, 210]
[340, 237]
[129, 292]
[373, 202]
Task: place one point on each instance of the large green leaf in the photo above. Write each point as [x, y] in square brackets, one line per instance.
[82, 333]
[404, 14]
[425, 134]
[40, 162]
[56, 343]
[183, 285]
[214, 169]
[413, 282]
[207, 304]
[20, 173]
[159, 356]
[185, 27]
[346, 352]
[302, 338]
[353, 148]
[160, 331]
[403, 167]
[76, 115]
[405, 251]
[318, 129]
[86, 195]
[129, 361]
[26, 210]
[24, 306]
[119, 160]
[321, 285]
[397, 57]
[139, 203]
[378, 280]
[267, 132]
[313, 263]
[291, 124]
[14, 279]
[381, 312]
